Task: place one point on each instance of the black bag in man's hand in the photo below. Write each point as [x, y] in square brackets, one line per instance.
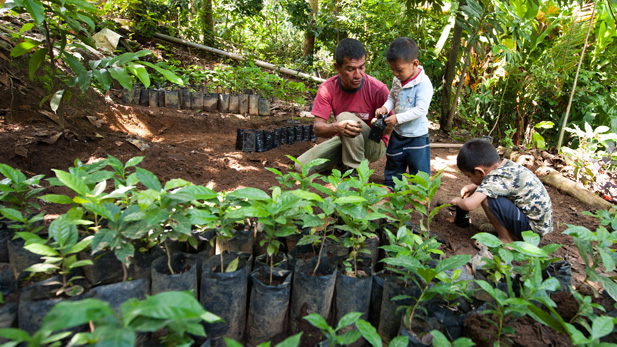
[377, 130]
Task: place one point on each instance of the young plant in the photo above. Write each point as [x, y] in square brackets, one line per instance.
[178, 314]
[60, 251]
[596, 248]
[124, 227]
[526, 261]
[420, 194]
[431, 281]
[360, 216]
[278, 213]
[364, 330]
[221, 212]
[165, 210]
[19, 192]
[304, 178]
[292, 341]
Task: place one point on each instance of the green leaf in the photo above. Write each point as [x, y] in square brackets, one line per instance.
[121, 76]
[317, 321]
[24, 48]
[607, 260]
[15, 334]
[73, 182]
[81, 245]
[69, 314]
[103, 77]
[233, 265]
[489, 240]
[602, 326]
[453, 262]
[232, 342]
[172, 77]
[141, 73]
[292, 341]
[41, 249]
[43, 267]
[399, 341]
[148, 179]
[369, 333]
[348, 320]
[56, 100]
[112, 336]
[527, 249]
[35, 61]
[12, 214]
[250, 194]
[57, 199]
[439, 339]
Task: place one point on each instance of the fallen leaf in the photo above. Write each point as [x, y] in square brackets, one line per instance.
[95, 121]
[4, 79]
[51, 139]
[22, 151]
[141, 145]
[51, 116]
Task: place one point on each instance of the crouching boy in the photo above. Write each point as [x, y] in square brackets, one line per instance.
[512, 196]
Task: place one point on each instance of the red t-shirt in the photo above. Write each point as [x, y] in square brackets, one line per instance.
[333, 99]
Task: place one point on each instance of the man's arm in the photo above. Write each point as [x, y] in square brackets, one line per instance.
[346, 128]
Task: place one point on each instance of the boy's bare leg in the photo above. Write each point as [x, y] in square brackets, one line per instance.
[502, 233]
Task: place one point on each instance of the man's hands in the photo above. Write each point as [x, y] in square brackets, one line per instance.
[349, 128]
[381, 111]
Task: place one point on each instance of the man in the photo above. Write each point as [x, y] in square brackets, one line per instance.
[352, 96]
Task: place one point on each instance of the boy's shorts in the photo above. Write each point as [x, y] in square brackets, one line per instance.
[509, 216]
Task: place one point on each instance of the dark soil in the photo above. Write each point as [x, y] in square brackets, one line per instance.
[567, 307]
[529, 333]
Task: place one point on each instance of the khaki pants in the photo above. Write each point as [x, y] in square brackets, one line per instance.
[345, 150]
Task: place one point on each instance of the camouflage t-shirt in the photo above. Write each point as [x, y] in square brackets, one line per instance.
[521, 186]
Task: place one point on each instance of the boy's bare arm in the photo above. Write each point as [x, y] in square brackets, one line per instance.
[469, 203]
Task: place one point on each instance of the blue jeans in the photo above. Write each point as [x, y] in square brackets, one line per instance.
[509, 216]
[406, 153]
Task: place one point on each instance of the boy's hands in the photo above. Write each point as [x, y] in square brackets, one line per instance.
[391, 121]
[468, 190]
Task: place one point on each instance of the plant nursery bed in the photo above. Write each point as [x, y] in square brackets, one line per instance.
[200, 147]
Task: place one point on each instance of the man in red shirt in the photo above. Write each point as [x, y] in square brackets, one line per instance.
[352, 97]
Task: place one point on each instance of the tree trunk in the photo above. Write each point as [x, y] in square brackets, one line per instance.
[446, 92]
[309, 36]
[208, 29]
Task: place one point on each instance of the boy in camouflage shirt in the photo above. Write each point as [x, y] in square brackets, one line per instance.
[512, 196]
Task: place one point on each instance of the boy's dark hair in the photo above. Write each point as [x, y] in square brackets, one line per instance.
[474, 153]
[403, 48]
[349, 48]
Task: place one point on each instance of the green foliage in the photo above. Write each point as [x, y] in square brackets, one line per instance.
[60, 250]
[597, 249]
[279, 214]
[594, 154]
[364, 329]
[177, 313]
[66, 29]
[17, 191]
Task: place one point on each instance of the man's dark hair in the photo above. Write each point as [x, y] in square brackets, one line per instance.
[403, 48]
[349, 48]
[474, 153]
